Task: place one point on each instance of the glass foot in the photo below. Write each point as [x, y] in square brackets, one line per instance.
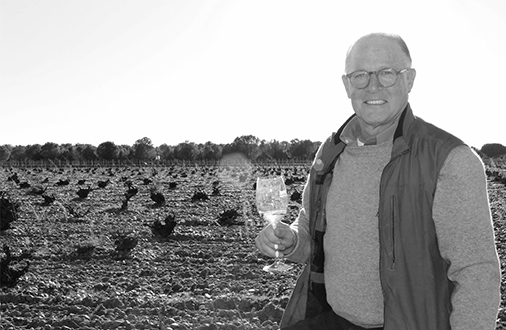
[277, 267]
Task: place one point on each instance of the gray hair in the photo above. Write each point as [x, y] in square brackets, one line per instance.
[395, 37]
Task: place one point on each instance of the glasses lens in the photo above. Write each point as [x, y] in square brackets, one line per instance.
[387, 77]
[360, 79]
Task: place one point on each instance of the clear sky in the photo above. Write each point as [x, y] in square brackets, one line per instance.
[91, 71]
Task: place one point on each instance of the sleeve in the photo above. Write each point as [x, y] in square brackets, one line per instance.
[300, 226]
[465, 233]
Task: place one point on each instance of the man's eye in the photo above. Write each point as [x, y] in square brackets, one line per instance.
[360, 75]
[387, 73]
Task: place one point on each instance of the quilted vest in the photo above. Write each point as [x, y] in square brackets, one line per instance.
[416, 290]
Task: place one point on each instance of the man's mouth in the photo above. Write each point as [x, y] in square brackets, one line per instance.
[375, 102]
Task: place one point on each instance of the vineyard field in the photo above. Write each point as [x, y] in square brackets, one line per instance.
[166, 247]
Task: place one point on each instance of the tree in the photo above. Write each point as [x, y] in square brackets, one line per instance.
[107, 150]
[273, 149]
[143, 149]
[304, 149]
[67, 152]
[124, 151]
[18, 153]
[89, 152]
[33, 152]
[185, 151]
[246, 144]
[5, 152]
[493, 150]
[78, 151]
[210, 151]
[166, 152]
[50, 150]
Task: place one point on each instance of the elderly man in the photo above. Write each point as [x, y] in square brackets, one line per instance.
[395, 227]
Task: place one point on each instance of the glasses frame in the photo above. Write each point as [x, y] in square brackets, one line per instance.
[369, 73]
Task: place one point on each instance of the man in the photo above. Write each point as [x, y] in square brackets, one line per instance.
[395, 227]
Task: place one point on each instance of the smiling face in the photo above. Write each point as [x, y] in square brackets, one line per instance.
[378, 107]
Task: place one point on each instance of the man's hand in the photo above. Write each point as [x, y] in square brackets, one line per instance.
[282, 239]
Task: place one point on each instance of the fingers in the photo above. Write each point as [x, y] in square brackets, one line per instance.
[270, 252]
[286, 237]
[268, 243]
[273, 242]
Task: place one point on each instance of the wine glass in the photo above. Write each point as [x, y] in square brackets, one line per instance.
[272, 204]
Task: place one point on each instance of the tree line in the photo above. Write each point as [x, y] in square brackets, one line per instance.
[143, 149]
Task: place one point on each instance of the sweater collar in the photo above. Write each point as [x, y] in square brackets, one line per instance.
[405, 120]
[350, 132]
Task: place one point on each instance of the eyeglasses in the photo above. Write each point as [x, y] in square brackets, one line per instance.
[386, 77]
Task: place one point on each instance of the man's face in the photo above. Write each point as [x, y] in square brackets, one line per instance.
[377, 106]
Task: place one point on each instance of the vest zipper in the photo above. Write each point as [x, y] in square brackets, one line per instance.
[393, 201]
[393, 206]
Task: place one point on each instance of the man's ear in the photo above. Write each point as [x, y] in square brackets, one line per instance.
[347, 85]
[411, 75]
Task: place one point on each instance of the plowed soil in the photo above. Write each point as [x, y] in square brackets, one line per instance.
[207, 274]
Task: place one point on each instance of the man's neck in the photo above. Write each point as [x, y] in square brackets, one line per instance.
[371, 132]
[378, 133]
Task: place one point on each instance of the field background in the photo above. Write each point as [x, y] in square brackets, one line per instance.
[205, 275]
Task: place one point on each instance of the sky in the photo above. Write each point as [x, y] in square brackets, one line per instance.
[92, 71]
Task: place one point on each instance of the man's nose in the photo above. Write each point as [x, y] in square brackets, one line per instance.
[374, 84]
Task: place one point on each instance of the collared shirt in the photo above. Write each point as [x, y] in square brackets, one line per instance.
[352, 134]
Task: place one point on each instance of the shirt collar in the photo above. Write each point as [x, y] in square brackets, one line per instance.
[352, 133]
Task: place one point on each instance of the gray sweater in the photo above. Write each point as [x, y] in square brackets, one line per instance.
[463, 224]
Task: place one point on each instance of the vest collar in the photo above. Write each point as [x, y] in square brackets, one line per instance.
[337, 135]
[403, 132]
